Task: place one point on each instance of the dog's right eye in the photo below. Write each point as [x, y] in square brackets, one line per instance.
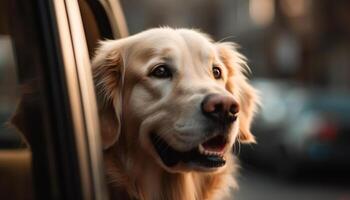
[161, 71]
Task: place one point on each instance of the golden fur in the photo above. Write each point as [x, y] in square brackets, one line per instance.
[132, 104]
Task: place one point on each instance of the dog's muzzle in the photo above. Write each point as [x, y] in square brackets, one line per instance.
[209, 154]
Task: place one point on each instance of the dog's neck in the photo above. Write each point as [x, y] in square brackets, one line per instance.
[143, 179]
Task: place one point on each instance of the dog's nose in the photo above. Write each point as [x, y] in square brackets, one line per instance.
[220, 108]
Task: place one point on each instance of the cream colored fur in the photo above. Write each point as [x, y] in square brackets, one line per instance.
[132, 104]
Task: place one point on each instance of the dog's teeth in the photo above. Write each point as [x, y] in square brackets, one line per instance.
[201, 149]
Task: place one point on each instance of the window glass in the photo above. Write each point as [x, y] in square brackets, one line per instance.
[9, 138]
[15, 156]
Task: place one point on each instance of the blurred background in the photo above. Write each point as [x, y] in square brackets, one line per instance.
[299, 54]
[14, 170]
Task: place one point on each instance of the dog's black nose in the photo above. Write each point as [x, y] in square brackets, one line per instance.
[221, 108]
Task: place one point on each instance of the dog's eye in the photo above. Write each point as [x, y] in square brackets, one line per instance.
[217, 72]
[161, 71]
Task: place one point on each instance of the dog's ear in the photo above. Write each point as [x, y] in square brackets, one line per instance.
[108, 72]
[238, 85]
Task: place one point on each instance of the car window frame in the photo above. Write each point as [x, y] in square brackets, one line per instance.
[110, 17]
[66, 149]
[82, 98]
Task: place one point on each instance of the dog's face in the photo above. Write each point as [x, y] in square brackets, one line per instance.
[174, 95]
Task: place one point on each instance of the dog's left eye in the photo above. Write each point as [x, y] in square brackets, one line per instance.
[216, 72]
[161, 71]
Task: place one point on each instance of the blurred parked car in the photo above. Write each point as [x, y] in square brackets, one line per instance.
[299, 128]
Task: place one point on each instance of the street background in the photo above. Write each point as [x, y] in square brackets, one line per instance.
[299, 54]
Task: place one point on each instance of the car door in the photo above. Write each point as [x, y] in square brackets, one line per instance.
[56, 112]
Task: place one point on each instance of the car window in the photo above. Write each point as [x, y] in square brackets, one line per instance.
[15, 156]
[47, 95]
[102, 20]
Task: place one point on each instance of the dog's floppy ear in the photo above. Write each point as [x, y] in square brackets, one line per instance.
[237, 84]
[108, 72]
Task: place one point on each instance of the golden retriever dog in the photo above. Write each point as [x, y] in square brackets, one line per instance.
[172, 103]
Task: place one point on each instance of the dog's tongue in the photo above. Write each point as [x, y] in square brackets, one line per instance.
[216, 144]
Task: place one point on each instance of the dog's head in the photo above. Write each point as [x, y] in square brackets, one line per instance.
[174, 95]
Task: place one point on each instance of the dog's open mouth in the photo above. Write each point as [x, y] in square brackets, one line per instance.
[209, 154]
